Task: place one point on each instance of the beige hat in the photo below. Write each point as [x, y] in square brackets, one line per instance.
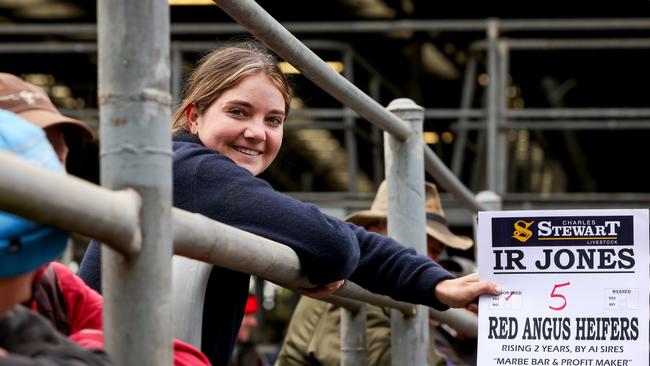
[32, 103]
[436, 223]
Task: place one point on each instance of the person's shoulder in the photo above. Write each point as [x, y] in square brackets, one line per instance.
[187, 145]
[188, 149]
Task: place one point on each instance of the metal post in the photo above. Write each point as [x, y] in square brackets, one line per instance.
[177, 77]
[466, 99]
[406, 223]
[348, 121]
[493, 202]
[492, 107]
[376, 136]
[134, 100]
[353, 337]
[502, 107]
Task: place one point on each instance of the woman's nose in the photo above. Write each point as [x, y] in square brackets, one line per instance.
[255, 131]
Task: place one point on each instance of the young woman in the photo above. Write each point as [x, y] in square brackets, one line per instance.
[228, 130]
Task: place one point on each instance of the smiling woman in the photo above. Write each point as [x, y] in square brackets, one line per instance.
[227, 130]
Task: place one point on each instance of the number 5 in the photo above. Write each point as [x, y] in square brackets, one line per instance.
[553, 294]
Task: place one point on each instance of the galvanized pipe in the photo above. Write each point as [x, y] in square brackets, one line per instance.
[424, 25]
[578, 44]
[48, 47]
[463, 321]
[502, 105]
[492, 106]
[515, 116]
[198, 237]
[134, 101]
[176, 77]
[467, 96]
[350, 305]
[446, 179]
[406, 221]
[578, 113]
[111, 216]
[564, 124]
[349, 121]
[353, 337]
[376, 136]
[71, 204]
[268, 30]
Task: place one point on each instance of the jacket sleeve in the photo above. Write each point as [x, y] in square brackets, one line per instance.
[90, 269]
[387, 267]
[312, 336]
[213, 185]
[184, 354]
[84, 304]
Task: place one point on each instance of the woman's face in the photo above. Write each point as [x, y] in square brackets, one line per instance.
[244, 123]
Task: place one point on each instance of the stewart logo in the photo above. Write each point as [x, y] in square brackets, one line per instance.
[562, 231]
[521, 232]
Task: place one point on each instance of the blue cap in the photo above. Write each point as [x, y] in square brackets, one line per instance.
[26, 245]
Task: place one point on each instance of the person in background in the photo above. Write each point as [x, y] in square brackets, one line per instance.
[245, 353]
[27, 338]
[33, 104]
[226, 131]
[59, 295]
[314, 336]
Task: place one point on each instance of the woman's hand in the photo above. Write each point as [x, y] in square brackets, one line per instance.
[321, 291]
[462, 292]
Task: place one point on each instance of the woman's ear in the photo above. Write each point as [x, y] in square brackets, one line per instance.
[192, 116]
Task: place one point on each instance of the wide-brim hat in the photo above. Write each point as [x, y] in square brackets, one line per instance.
[33, 104]
[437, 226]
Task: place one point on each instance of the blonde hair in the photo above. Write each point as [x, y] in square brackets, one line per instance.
[221, 70]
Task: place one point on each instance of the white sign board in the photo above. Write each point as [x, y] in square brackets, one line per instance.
[575, 288]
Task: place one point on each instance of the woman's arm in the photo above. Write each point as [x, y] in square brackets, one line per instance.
[387, 267]
[213, 185]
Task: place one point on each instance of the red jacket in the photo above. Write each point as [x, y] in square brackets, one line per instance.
[76, 311]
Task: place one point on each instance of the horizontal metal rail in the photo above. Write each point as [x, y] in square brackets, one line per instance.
[562, 124]
[462, 320]
[111, 216]
[70, 203]
[566, 43]
[577, 113]
[48, 47]
[459, 25]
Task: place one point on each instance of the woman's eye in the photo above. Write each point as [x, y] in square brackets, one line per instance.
[236, 112]
[274, 121]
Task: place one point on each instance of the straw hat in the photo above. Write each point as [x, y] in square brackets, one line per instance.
[436, 223]
[32, 103]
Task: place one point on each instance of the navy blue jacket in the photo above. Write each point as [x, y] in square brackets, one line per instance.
[329, 249]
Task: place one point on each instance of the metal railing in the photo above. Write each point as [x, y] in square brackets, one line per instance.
[507, 118]
[136, 223]
[139, 223]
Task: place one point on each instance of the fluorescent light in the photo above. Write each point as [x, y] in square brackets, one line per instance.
[431, 138]
[287, 68]
[191, 2]
[435, 62]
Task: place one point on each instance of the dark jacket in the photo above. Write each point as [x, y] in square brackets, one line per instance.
[329, 249]
[32, 341]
